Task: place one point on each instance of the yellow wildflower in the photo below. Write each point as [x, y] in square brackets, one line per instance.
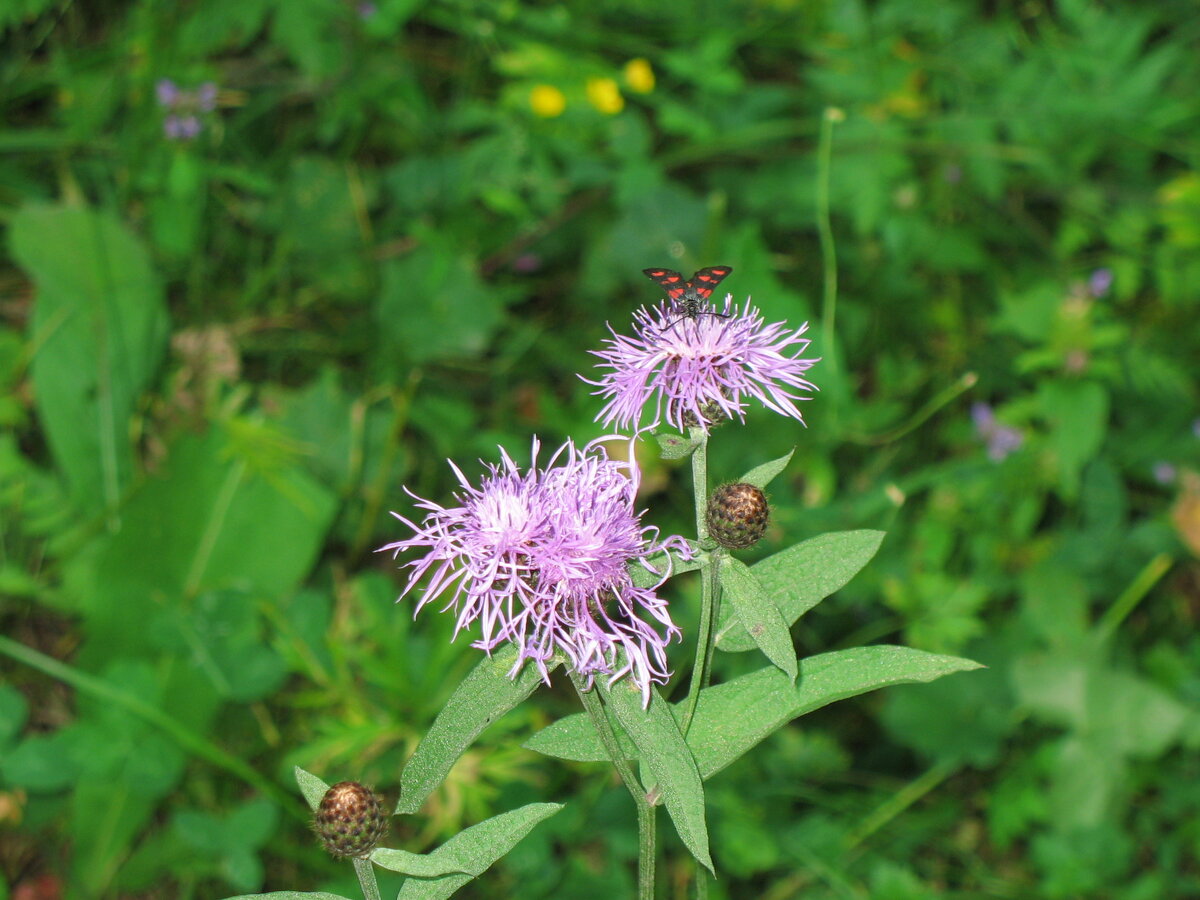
[639, 77]
[604, 94]
[547, 101]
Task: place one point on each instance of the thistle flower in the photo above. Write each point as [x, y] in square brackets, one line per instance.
[540, 559]
[698, 370]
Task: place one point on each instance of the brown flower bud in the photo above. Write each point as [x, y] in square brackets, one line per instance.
[737, 515]
[350, 820]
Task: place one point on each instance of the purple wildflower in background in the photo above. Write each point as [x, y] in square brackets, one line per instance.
[206, 96]
[182, 122]
[1100, 282]
[540, 559]
[181, 128]
[167, 92]
[700, 370]
[1001, 439]
[1164, 472]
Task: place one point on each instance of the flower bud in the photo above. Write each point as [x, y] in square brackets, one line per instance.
[350, 820]
[737, 515]
[711, 415]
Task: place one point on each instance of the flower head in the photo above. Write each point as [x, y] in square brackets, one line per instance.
[697, 370]
[184, 108]
[540, 558]
[1001, 439]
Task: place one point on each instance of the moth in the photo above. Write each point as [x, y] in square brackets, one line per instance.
[690, 296]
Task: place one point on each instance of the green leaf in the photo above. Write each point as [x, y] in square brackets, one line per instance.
[1078, 415]
[214, 516]
[734, 716]
[484, 695]
[99, 328]
[434, 306]
[419, 864]
[14, 710]
[803, 575]
[312, 787]
[662, 749]
[760, 476]
[290, 895]
[476, 848]
[758, 614]
[677, 446]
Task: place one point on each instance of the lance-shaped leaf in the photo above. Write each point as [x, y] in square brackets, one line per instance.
[801, 576]
[290, 895]
[484, 695]
[734, 716]
[662, 749]
[99, 329]
[760, 476]
[758, 614]
[312, 787]
[474, 850]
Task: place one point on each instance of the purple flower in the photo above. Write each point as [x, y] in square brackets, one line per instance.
[181, 128]
[1164, 472]
[1001, 439]
[541, 558]
[183, 122]
[206, 97]
[703, 369]
[1099, 282]
[167, 92]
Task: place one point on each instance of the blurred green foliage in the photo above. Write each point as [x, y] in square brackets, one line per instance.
[394, 238]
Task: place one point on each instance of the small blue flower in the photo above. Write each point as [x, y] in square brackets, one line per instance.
[1001, 439]
[183, 120]
[1100, 282]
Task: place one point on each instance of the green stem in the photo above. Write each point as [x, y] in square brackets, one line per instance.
[186, 738]
[702, 666]
[900, 801]
[946, 395]
[608, 737]
[708, 569]
[700, 479]
[1133, 594]
[365, 871]
[828, 247]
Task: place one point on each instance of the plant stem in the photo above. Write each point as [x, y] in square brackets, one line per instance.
[708, 571]
[608, 737]
[700, 479]
[365, 871]
[1133, 594]
[828, 247]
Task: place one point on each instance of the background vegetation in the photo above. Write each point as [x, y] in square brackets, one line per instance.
[268, 260]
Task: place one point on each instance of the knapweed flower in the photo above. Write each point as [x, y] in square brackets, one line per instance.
[1001, 439]
[695, 371]
[539, 558]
